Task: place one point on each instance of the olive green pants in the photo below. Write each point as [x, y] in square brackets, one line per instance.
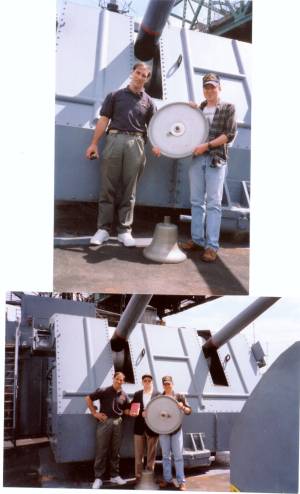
[108, 440]
[123, 161]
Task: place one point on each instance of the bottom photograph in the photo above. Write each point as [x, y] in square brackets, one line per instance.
[151, 392]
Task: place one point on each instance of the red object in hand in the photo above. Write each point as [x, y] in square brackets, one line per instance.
[135, 407]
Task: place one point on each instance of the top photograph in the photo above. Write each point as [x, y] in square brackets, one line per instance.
[152, 147]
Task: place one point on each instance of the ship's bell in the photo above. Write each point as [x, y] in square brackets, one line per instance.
[147, 482]
[164, 247]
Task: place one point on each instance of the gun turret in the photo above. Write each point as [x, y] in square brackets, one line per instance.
[238, 323]
[151, 28]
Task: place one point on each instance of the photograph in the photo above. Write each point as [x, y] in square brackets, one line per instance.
[152, 147]
[150, 314]
[151, 392]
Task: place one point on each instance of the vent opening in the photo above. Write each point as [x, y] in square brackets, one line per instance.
[214, 363]
[122, 363]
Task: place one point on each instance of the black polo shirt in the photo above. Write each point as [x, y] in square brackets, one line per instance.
[128, 111]
[112, 402]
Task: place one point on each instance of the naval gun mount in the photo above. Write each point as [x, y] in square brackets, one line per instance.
[83, 353]
[215, 395]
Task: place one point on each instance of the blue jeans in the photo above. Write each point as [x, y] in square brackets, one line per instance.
[172, 443]
[206, 186]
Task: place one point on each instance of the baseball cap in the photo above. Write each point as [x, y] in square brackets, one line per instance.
[147, 375]
[211, 78]
[167, 379]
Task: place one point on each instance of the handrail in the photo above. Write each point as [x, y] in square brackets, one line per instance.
[16, 369]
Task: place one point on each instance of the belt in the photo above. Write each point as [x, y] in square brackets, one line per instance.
[115, 131]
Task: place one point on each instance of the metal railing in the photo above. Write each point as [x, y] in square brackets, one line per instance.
[15, 383]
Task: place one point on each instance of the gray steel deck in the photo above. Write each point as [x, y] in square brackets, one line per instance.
[33, 465]
[113, 268]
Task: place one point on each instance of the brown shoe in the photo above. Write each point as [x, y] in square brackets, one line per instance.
[182, 487]
[209, 255]
[163, 484]
[190, 245]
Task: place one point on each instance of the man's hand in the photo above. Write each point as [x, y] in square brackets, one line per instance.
[100, 416]
[156, 151]
[92, 152]
[185, 409]
[200, 150]
[193, 105]
[144, 413]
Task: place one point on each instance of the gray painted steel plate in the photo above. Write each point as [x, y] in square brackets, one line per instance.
[163, 415]
[177, 129]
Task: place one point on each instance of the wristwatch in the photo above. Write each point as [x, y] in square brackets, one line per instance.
[209, 146]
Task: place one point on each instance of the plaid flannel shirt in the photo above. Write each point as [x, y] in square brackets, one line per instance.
[224, 122]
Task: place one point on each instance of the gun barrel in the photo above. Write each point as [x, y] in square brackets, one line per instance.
[238, 323]
[152, 25]
[130, 317]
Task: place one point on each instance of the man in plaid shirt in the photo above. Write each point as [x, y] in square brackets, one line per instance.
[208, 170]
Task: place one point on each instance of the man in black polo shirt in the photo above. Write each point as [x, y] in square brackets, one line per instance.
[114, 403]
[124, 115]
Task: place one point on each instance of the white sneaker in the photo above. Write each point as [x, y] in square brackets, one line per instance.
[97, 484]
[99, 237]
[126, 239]
[118, 480]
